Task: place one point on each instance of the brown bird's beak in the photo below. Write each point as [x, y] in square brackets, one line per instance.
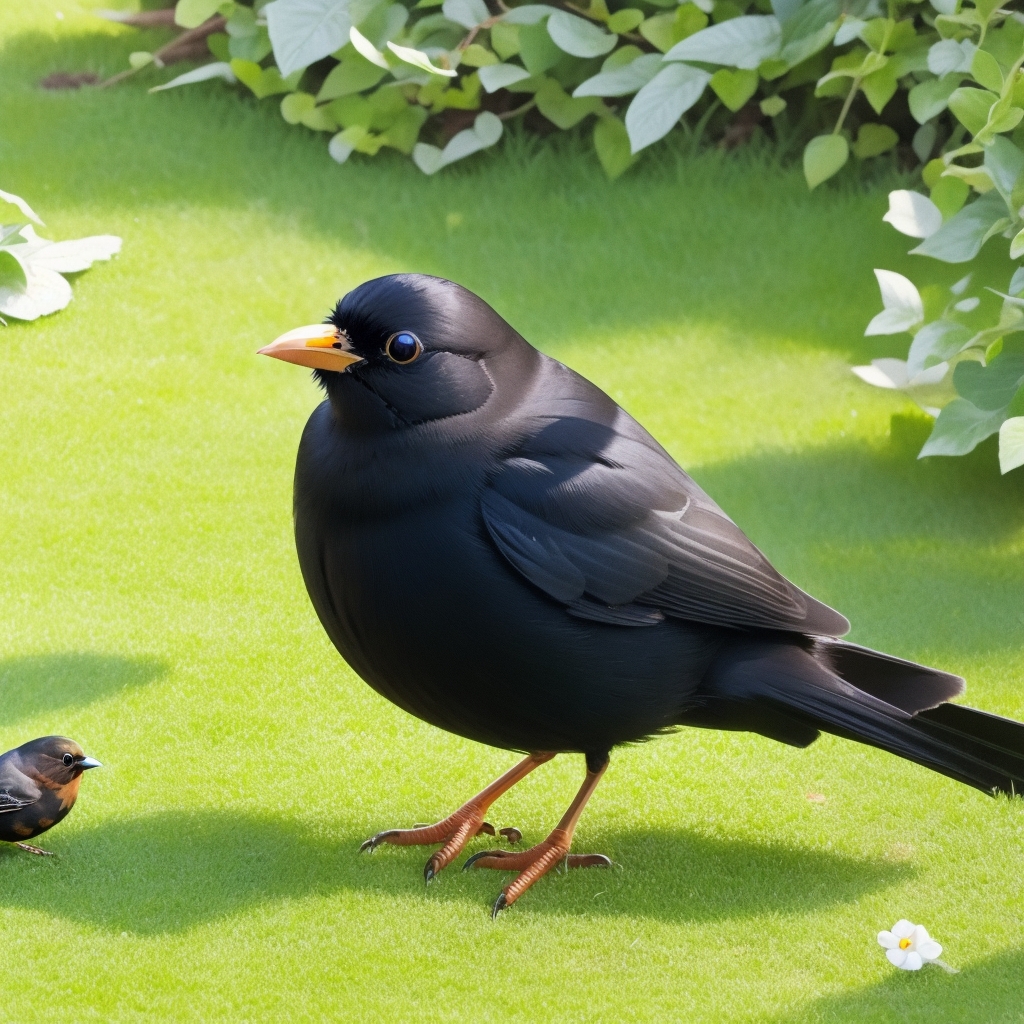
[89, 762]
[320, 346]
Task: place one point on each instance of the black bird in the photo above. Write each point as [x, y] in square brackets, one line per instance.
[499, 549]
[38, 787]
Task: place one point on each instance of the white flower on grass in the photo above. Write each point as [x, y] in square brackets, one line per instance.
[909, 946]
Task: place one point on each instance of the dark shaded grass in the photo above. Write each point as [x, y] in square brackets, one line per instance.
[190, 867]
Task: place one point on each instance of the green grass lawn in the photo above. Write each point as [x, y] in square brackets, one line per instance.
[152, 606]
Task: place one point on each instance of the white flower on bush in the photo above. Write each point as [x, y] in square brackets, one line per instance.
[909, 946]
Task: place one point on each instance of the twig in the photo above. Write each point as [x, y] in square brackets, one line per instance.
[183, 41]
[509, 114]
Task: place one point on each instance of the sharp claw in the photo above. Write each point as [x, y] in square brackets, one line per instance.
[476, 856]
[486, 828]
[513, 835]
[428, 871]
[373, 842]
[499, 905]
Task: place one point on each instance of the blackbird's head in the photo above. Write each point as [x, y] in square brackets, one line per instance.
[404, 350]
[56, 758]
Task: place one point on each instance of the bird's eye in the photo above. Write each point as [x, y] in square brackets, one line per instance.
[68, 759]
[403, 347]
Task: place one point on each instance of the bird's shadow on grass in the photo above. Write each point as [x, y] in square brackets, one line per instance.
[169, 871]
[987, 993]
[43, 684]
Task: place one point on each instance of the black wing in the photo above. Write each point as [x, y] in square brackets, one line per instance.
[17, 790]
[594, 512]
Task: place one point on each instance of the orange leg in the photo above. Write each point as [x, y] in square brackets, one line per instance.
[540, 859]
[468, 821]
[34, 849]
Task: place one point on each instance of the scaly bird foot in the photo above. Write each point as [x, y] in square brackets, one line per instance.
[454, 832]
[533, 864]
[28, 848]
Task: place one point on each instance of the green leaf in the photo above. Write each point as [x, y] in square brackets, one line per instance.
[192, 13]
[628, 19]
[477, 56]
[252, 47]
[986, 71]
[537, 49]
[611, 140]
[353, 74]
[960, 239]
[873, 140]
[139, 59]
[949, 195]
[505, 40]
[971, 107]
[734, 87]
[561, 109]
[297, 105]
[879, 87]
[772, 106]
[405, 129]
[218, 43]
[929, 99]
[990, 387]
[12, 273]
[660, 31]
[1017, 245]
[740, 42]
[1011, 444]
[264, 81]
[960, 428]
[662, 101]
[823, 157]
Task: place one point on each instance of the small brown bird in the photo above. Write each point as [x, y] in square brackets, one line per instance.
[38, 787]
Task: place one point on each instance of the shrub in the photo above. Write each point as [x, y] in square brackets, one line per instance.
[437, 80]
[966, 361]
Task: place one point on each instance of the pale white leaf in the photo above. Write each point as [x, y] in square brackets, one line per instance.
[967, 305]
[26, 210]
[218, 69]
[902, 301]
[1011, 444]
[76, 254]
[338, 149]
[948, 55]
[662, 101]
[427, 158]
[418, 59]
[893, 377]
[486, 131]
[622, 81]
[467, 13]
[528, 14]
[44, 292]
[499, 76]
[366, 49]
[739, 42]
[913, 214]
[579, 37]
[304, 31]
[850, 29]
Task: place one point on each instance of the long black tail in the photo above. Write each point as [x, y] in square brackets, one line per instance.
[789, 693]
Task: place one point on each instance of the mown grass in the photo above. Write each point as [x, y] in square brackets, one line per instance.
[153, 609]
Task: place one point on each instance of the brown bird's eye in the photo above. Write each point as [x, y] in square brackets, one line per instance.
[68, 759]
[403, 347]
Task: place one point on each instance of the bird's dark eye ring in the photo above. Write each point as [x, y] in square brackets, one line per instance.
[403, 347]
[68, 759]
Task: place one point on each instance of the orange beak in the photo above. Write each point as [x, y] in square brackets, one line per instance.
[319, 346]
